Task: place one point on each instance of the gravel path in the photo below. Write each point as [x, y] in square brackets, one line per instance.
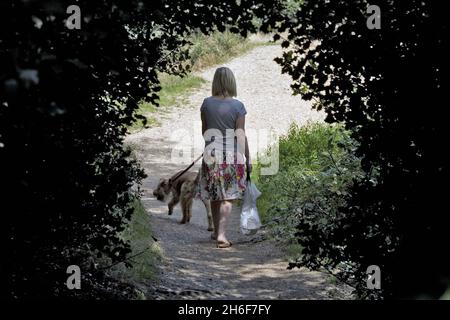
[253, 268]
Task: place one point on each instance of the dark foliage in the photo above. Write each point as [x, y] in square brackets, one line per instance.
[389, 87]
[67, 97]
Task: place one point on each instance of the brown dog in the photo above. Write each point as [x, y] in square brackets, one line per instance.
[182, 189]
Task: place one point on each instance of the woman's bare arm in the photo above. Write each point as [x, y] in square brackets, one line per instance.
[203, 123]
[242, 139]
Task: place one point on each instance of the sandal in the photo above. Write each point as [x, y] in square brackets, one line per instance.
[224, 244]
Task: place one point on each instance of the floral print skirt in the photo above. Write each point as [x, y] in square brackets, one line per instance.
[221, 181]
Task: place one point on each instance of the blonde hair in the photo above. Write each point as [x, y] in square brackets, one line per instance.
[224, 83]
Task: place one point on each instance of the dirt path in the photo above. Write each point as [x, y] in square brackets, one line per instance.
[253, 268]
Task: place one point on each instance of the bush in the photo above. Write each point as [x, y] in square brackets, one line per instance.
[67, 98]
[317, 168]
[216, 48]
[388, 87]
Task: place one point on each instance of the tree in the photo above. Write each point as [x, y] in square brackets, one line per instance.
[387, 86]
[67, 97]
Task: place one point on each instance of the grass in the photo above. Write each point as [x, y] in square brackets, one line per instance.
[217, 48]
[174, 87]
[302, 148]
[147, 252]
[174, 90]
[292, 251]
[446, 295]
[263, 203]
[308, 177]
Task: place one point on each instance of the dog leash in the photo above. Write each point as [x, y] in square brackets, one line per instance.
[185, 170]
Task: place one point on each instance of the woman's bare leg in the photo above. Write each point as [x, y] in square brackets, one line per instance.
[225, 210]
[215, 209]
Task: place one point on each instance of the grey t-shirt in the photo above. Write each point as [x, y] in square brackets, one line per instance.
[221, 114]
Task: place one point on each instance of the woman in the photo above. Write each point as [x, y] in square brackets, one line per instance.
[224, 169]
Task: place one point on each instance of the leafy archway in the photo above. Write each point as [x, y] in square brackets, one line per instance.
[67, 97]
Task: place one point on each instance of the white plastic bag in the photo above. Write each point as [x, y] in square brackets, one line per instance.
[250, 222]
